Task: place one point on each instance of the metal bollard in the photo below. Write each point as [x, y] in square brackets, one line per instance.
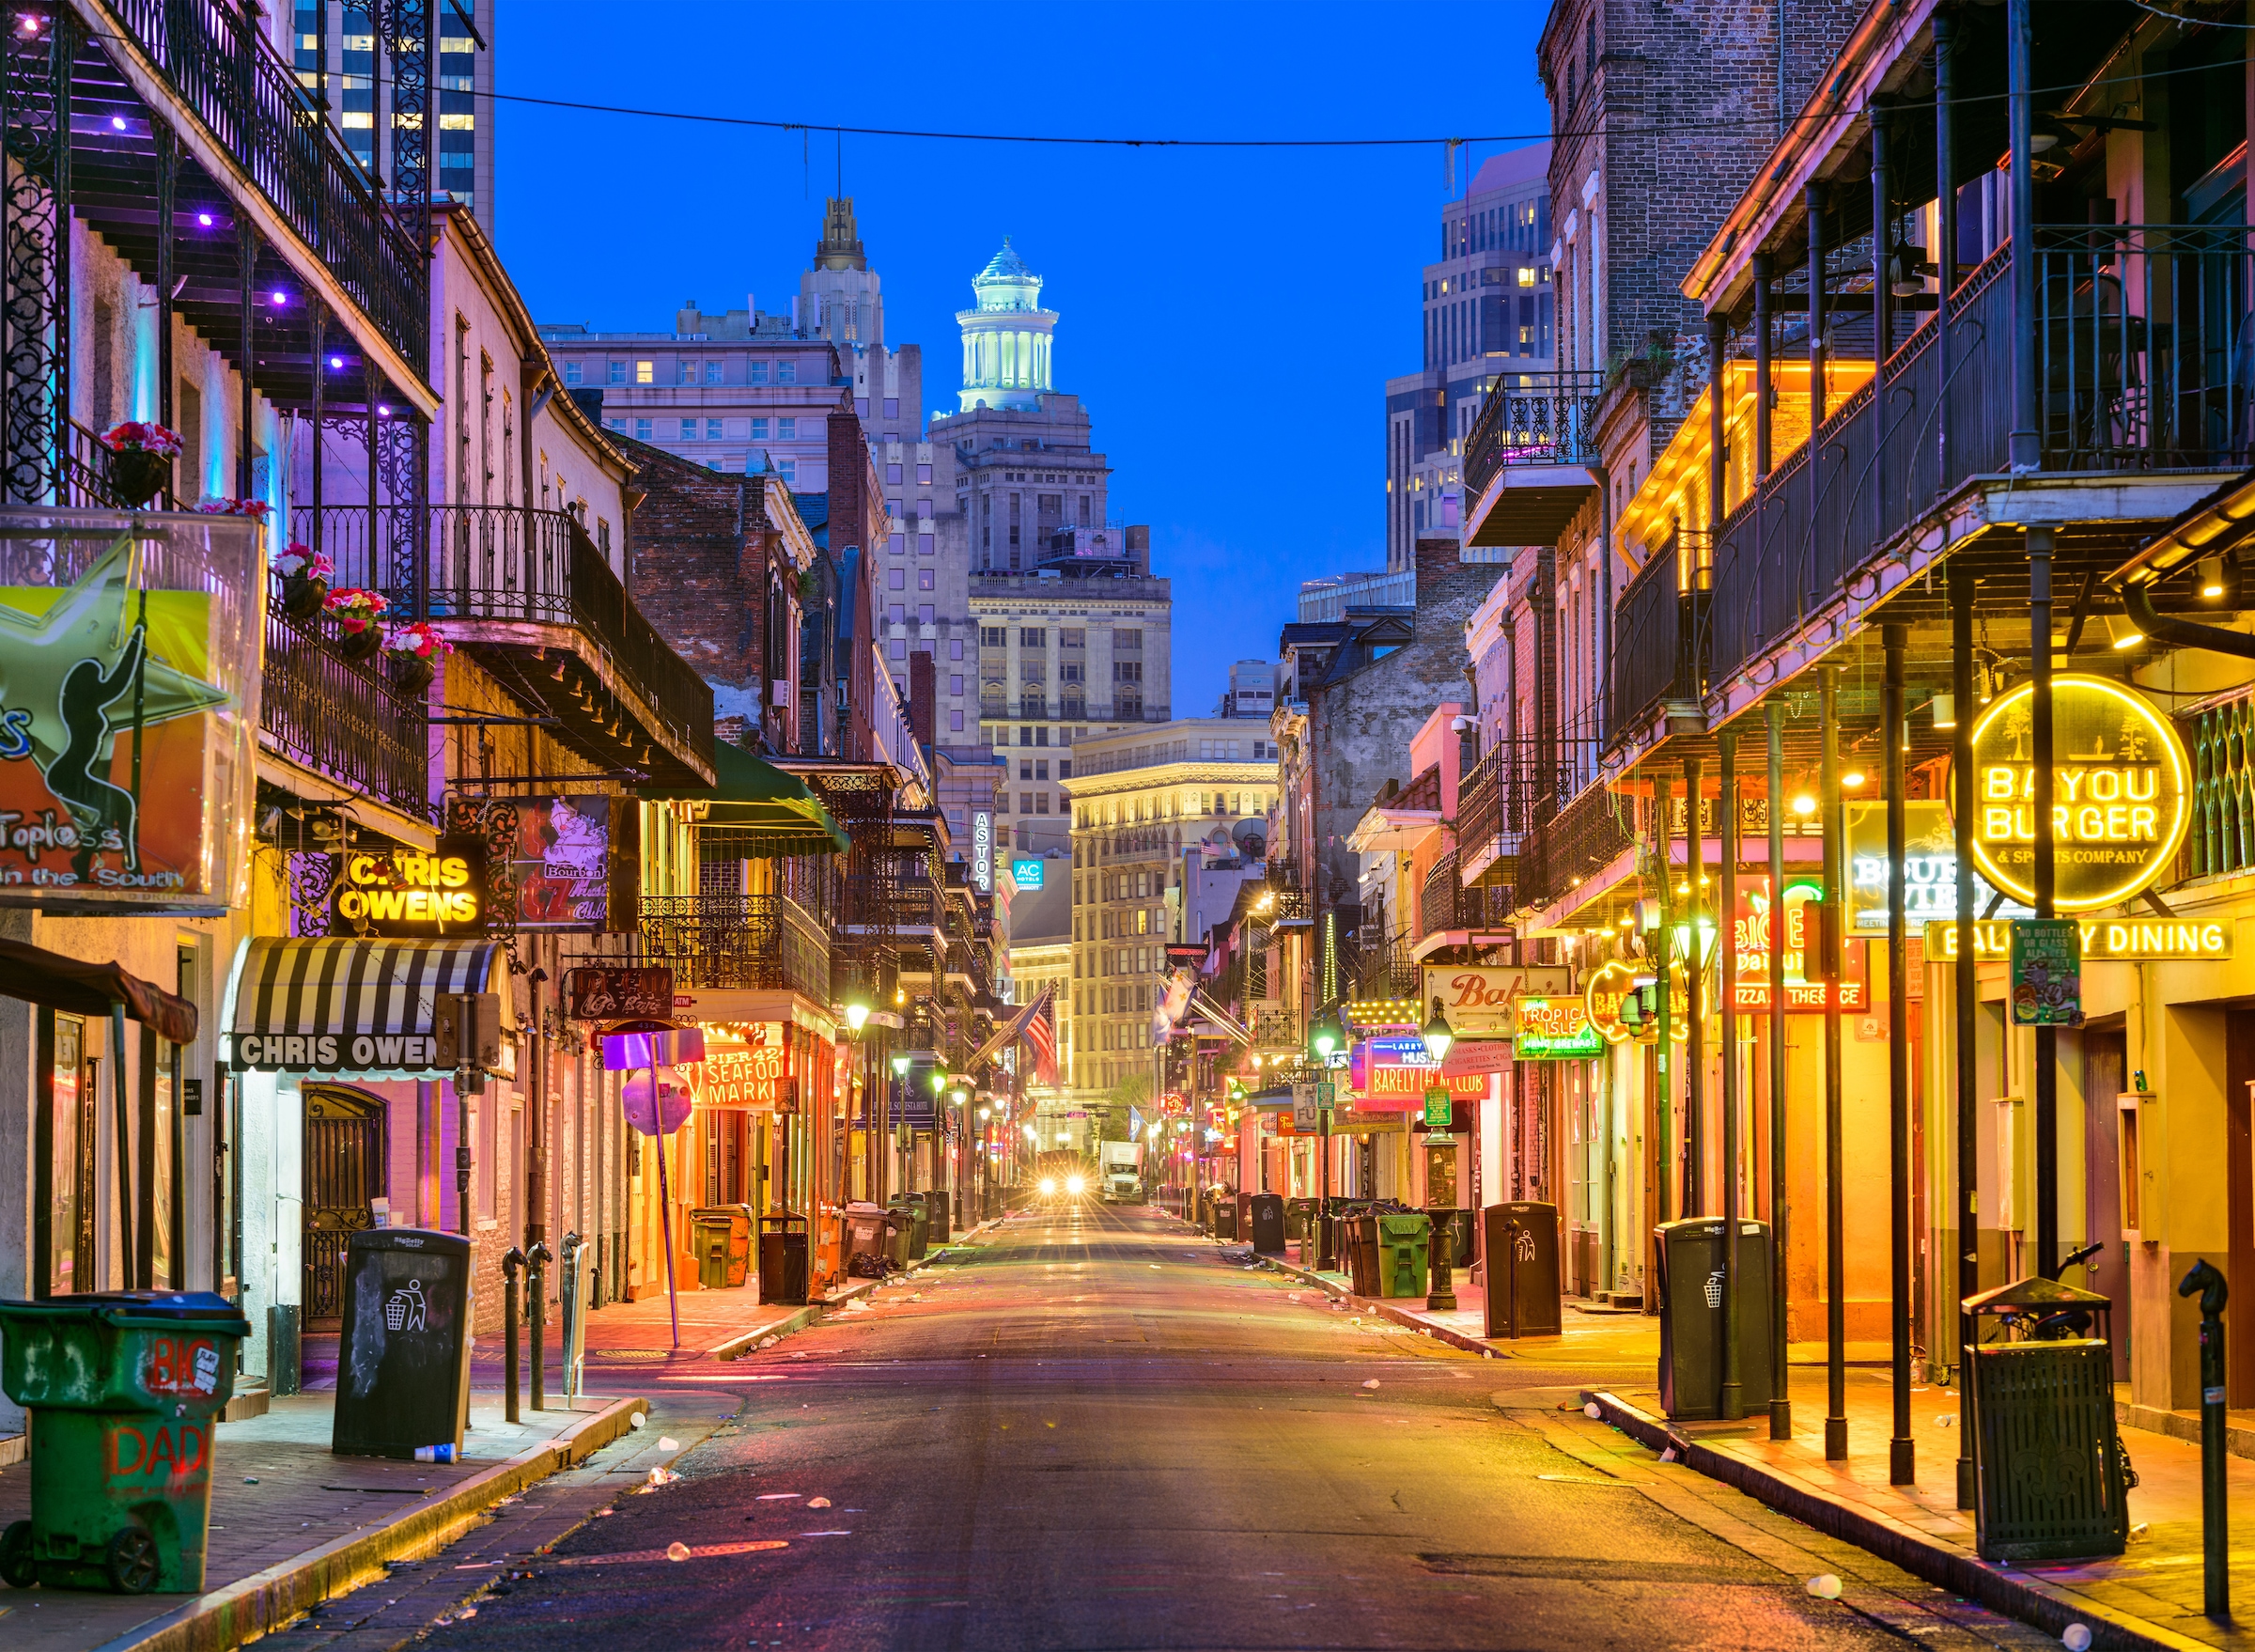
[2214, 1531]
[1440, 1282]
[512, 1260]
[572, 1294]
[536, 1276]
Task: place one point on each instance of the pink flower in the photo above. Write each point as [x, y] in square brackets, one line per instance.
[419, 639]
[300, 560]
[251, 507]
[139, 436]
[356, 607]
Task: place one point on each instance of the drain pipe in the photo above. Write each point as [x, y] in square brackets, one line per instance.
[2183, 633]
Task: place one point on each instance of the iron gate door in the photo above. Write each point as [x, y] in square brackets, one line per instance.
[344, 1170]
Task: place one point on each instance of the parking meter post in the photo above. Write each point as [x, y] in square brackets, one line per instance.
[537, 1261]
[1440, 1292]
[569, 1296]
[512, 1259]
[2215, 1556]
[665, 1223]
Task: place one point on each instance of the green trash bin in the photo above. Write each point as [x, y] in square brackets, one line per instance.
[124, 1389]
[1405, 1237]
[916, 1214]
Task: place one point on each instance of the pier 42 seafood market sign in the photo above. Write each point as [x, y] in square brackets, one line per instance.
[2121, 791]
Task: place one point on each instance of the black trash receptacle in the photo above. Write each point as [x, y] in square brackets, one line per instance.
[403, 1349]
[1690, 1290]
[782, 1258]
[1359, 1239]
[1522, 1282]
[939, 1221]
[2047, 1457]
[916, 1219]
[1265, 1220]
[1225, 1215]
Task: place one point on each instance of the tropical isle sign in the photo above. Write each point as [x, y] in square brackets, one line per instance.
[2122, 793]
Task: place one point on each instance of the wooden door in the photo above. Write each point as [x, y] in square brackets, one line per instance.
[344, 1171]
[2239, 1178]
[2104, 1059]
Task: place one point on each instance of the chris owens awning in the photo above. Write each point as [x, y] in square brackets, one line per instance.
[763, 811]
[354, 1005]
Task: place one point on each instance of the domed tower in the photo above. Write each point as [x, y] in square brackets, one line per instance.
[1007, 338]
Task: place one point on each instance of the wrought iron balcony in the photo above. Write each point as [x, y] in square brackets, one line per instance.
[1553, 420]
[1446, 904]
[2142, 366]
[233, 85]
[504, 581]
[349, 721]
[1570, 846]
[758, 941]
[1660, 650]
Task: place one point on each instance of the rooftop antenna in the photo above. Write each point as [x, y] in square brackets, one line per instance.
[841, 137]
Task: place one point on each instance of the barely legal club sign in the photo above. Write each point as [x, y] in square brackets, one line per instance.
[2122, 789]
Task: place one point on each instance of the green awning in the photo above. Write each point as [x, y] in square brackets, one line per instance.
[762, 811]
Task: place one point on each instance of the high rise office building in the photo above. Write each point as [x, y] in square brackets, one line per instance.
[1487, 320]
[1074, 629]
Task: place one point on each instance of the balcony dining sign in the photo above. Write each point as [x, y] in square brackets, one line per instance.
[2122, 793]
[128, 697]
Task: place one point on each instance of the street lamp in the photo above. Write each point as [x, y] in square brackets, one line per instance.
[1327, 1038]
[900, 1067]
[1439, 1035]
[856, 1012]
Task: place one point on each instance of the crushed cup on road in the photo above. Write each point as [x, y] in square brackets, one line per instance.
[1947, 1420]
[1592, 1411]
[637, 1420]
[1369, 1382]
[2076, 1637]
[817, 1503]
[667, 1443]
[677, 1551]
[1825, 1586]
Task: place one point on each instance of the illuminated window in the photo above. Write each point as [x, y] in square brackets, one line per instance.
[646, 372]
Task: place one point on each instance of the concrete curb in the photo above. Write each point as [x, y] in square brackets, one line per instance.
[2239, 1440]
[2030, 1600]
[743, 1341]
[263, 1602]
[1406, 1318]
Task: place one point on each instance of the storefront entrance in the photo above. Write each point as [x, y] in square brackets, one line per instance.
[344, 1173]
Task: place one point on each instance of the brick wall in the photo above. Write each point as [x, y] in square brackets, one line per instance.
[709, 562]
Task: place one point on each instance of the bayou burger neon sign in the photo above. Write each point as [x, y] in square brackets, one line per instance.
[2122, 793]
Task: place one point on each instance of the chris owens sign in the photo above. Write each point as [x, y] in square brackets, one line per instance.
[406, 893]
[2120, 793]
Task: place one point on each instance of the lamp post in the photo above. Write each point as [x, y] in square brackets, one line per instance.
[857, 1017]
[896, 1102]
[1440, 1294]
[1326, 1037]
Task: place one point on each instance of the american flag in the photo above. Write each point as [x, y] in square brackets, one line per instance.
[1041, 1032]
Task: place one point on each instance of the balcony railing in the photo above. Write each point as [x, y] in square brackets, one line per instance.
[756, 942]
[1567, 847]
[1660, 649]
[1446, 904]
[2142, 340]
[1382, 969]
[1554, 421]
[506, 563]
[252, 103]
[349, 721]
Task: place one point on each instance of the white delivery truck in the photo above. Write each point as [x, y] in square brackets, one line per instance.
[1123, 1181]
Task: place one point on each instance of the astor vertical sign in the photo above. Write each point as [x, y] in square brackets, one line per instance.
[2122, 789]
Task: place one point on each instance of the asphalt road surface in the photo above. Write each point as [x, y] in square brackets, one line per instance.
[1095, 1431]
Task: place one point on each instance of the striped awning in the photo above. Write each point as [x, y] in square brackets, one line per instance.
[308, 1005]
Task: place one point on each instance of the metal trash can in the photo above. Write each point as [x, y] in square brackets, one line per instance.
[1264, 1221]
[916, 1221]
[1691, 1291]
[939, 1219]
[1465, 1225]
[722, 1236]
[782, 1258]
[1405, 1240]
[2047, 1462]
[1225, 1215]
[869, 1233]
[1299, 1221]
[124, 1388]
[1521, 1283]
[1359, 1239]
[403, 1355]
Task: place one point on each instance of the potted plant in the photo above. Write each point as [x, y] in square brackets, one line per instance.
[141, 452]
[305, 580]
[418, 647]
[357, 610]
[257, 509]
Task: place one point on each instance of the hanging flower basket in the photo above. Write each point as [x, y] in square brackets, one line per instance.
[356, 610]
[257, 509]
[418, 648]
[141, 462]
[304, 581]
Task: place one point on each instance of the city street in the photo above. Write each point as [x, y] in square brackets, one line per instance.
[1099, 1431]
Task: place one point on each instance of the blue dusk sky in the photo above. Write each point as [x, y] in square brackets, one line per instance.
[1229, 317]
